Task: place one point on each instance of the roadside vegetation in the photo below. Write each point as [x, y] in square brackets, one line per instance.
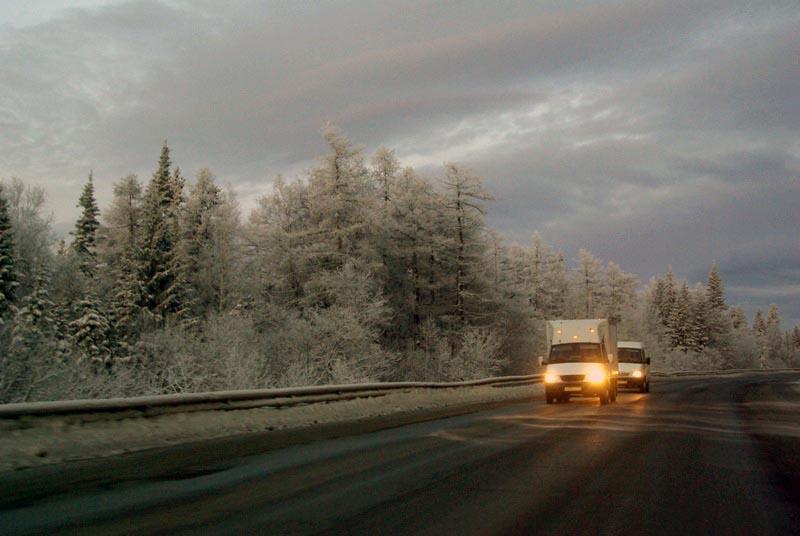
[360, 270]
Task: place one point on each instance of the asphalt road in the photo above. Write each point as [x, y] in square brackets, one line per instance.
[694, 456]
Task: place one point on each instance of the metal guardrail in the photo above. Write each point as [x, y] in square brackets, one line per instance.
[277, 398]
[723, 372]
[221, 400]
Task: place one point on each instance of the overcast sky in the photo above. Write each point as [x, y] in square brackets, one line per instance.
[650, 133]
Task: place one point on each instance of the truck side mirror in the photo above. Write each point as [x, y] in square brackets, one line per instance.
[542, 361]
[647, 360]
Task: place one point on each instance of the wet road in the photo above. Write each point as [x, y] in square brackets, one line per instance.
[700, 455]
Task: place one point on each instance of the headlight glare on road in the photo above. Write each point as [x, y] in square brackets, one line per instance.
[596, 375]
[637, 374]
[550, 377]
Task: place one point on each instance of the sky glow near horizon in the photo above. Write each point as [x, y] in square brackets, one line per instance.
[651, 133]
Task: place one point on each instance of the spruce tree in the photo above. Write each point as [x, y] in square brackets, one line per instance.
[714, 290]
[738, 318]
[759, 324]
[90, 332]
[8, 272]
[668, 297]
[34, 323]
[679, 318]
[86, 230]
[165, 291]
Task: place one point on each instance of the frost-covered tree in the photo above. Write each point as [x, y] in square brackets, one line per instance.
[775, 351]
[211, 221]
[89, 333]
[122, 222]
[587, 285]
[33, 237]
[162, 272]
[618, 291]
[679, 318]
[697, 329]
[714, 290]
[464, 196]
[85, 233]
[339, 204]
[8, 269]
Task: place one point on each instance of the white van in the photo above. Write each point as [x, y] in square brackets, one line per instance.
[581, 360]
[634, 366]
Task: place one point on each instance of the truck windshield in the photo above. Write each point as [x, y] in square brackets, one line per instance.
[576, 353]
[630, 355]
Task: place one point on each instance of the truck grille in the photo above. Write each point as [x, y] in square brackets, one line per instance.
[623, 374]
[572, 377]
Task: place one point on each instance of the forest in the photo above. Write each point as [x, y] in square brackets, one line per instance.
[359, 270]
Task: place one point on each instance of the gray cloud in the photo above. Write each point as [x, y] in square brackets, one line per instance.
[652, 133]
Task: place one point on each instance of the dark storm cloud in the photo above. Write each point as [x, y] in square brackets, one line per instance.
[652, 133]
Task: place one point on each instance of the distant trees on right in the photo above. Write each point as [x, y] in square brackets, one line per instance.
[695, 328]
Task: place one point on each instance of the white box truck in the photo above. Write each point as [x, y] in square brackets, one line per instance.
[634, 366]
[581, 360]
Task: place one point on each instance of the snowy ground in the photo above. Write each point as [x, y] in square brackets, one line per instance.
[38, 441]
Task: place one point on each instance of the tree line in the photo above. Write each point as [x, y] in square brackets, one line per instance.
[359, 270]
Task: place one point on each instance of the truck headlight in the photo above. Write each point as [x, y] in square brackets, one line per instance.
[637, 374]
[596, 375]
[551, 377]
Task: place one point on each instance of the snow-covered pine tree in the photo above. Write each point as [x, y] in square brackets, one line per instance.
[697, 321]
[714, 290]
[89, 333]
[668, 297]
[8, 270]
[738, 318]
[34, 324]
[679, 318]
[85, 232]
[759, 323]
[773, 339]
[165, 291]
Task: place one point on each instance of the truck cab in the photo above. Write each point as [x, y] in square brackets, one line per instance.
[634, 366]
[581, 360]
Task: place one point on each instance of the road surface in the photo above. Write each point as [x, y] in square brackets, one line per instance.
[694, 456]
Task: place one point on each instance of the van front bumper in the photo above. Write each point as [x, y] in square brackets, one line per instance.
[573, 388]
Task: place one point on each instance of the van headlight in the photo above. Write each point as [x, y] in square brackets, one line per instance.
[596, 375]
[637, 374]
[551, 377]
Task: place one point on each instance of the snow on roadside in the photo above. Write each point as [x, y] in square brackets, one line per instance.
[48, 440]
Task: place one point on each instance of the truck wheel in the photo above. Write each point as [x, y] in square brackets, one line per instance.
[643, 387]
[604, 397]
[613, 395]
[548, 399]
[647, 389]
[563, 399]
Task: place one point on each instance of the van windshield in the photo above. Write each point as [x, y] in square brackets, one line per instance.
[576, 353]
[630, 355]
